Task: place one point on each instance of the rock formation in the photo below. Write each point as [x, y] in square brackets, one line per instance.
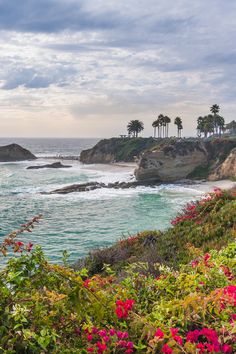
[90, 186]
[227, 169]
[116, 149]
[52, 165]
[15, 152]
[171, 162]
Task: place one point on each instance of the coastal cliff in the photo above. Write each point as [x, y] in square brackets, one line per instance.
[15, 152]
[169, 160]
[116, 149]
[188, 159]
[227, 169]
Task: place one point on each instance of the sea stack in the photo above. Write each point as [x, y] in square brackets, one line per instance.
[15, 152]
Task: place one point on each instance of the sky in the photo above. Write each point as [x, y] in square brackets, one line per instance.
[85, 68]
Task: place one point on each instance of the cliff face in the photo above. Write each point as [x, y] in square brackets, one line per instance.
[116, 149]
[171, 162]
[227, 169]
[15, 152]
[190, 158]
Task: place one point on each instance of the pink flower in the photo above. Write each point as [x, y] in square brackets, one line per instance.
[29, 246]
[227, 349]
[86, 283]
[101, 347]
[112, 332]
[178, 339]
[90, 350]
[122, 335]
[124, 307]
[89, 337]
[194, 263]
[174, 331]
[233, 316]
[206, 258]
[166, 349]
[159, 334]
[130, 345]
[19, 243]
[102, 333]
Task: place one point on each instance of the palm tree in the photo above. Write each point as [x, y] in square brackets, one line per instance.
[205, 125]
[179, 123]
[155, 124]
[219, 123]
[209, 125]
[200, 126]
[215, 109]
[231, 127]
[160, 120]
[167, 121]
[135, 127]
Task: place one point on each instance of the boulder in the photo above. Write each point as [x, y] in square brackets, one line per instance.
[52, 165]
[227, 169]
[172, 162]
[15, 152]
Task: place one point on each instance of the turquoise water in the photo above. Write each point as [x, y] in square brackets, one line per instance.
[79, 222]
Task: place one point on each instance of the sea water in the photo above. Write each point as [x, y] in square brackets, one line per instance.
[80, 222]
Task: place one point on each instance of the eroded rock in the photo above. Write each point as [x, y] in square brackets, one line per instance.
[171, 162]
[15, 152]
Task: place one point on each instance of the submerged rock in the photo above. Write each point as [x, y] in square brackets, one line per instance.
[15, 152]
[89, 186]
[52, 165]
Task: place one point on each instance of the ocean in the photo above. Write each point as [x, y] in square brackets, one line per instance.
[80, 222]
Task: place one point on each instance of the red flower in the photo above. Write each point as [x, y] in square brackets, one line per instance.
[122, 335]
[194, 263]
[166, 349]
[123, 308]
[227, 349]
[89, 337]
[159, 334]
[101, 347]
[19, 243]
[29, 246]
[112, 332]
[174, 331]
[86, 283]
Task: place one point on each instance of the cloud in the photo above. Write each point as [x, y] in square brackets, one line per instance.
[35, 79]
[116, 59]
[51, 16]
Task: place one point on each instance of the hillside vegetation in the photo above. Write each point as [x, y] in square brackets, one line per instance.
[163, 292]
[117, 149]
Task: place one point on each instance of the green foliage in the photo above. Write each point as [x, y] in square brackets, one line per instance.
[47, 308]
[213, 229]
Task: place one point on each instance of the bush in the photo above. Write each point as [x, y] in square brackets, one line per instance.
[46, 308]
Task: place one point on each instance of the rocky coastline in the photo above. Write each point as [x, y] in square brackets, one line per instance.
[170, 160]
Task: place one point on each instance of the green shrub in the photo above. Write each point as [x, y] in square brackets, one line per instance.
[47, 308]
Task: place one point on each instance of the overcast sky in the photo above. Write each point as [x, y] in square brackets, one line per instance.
[73, 68]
